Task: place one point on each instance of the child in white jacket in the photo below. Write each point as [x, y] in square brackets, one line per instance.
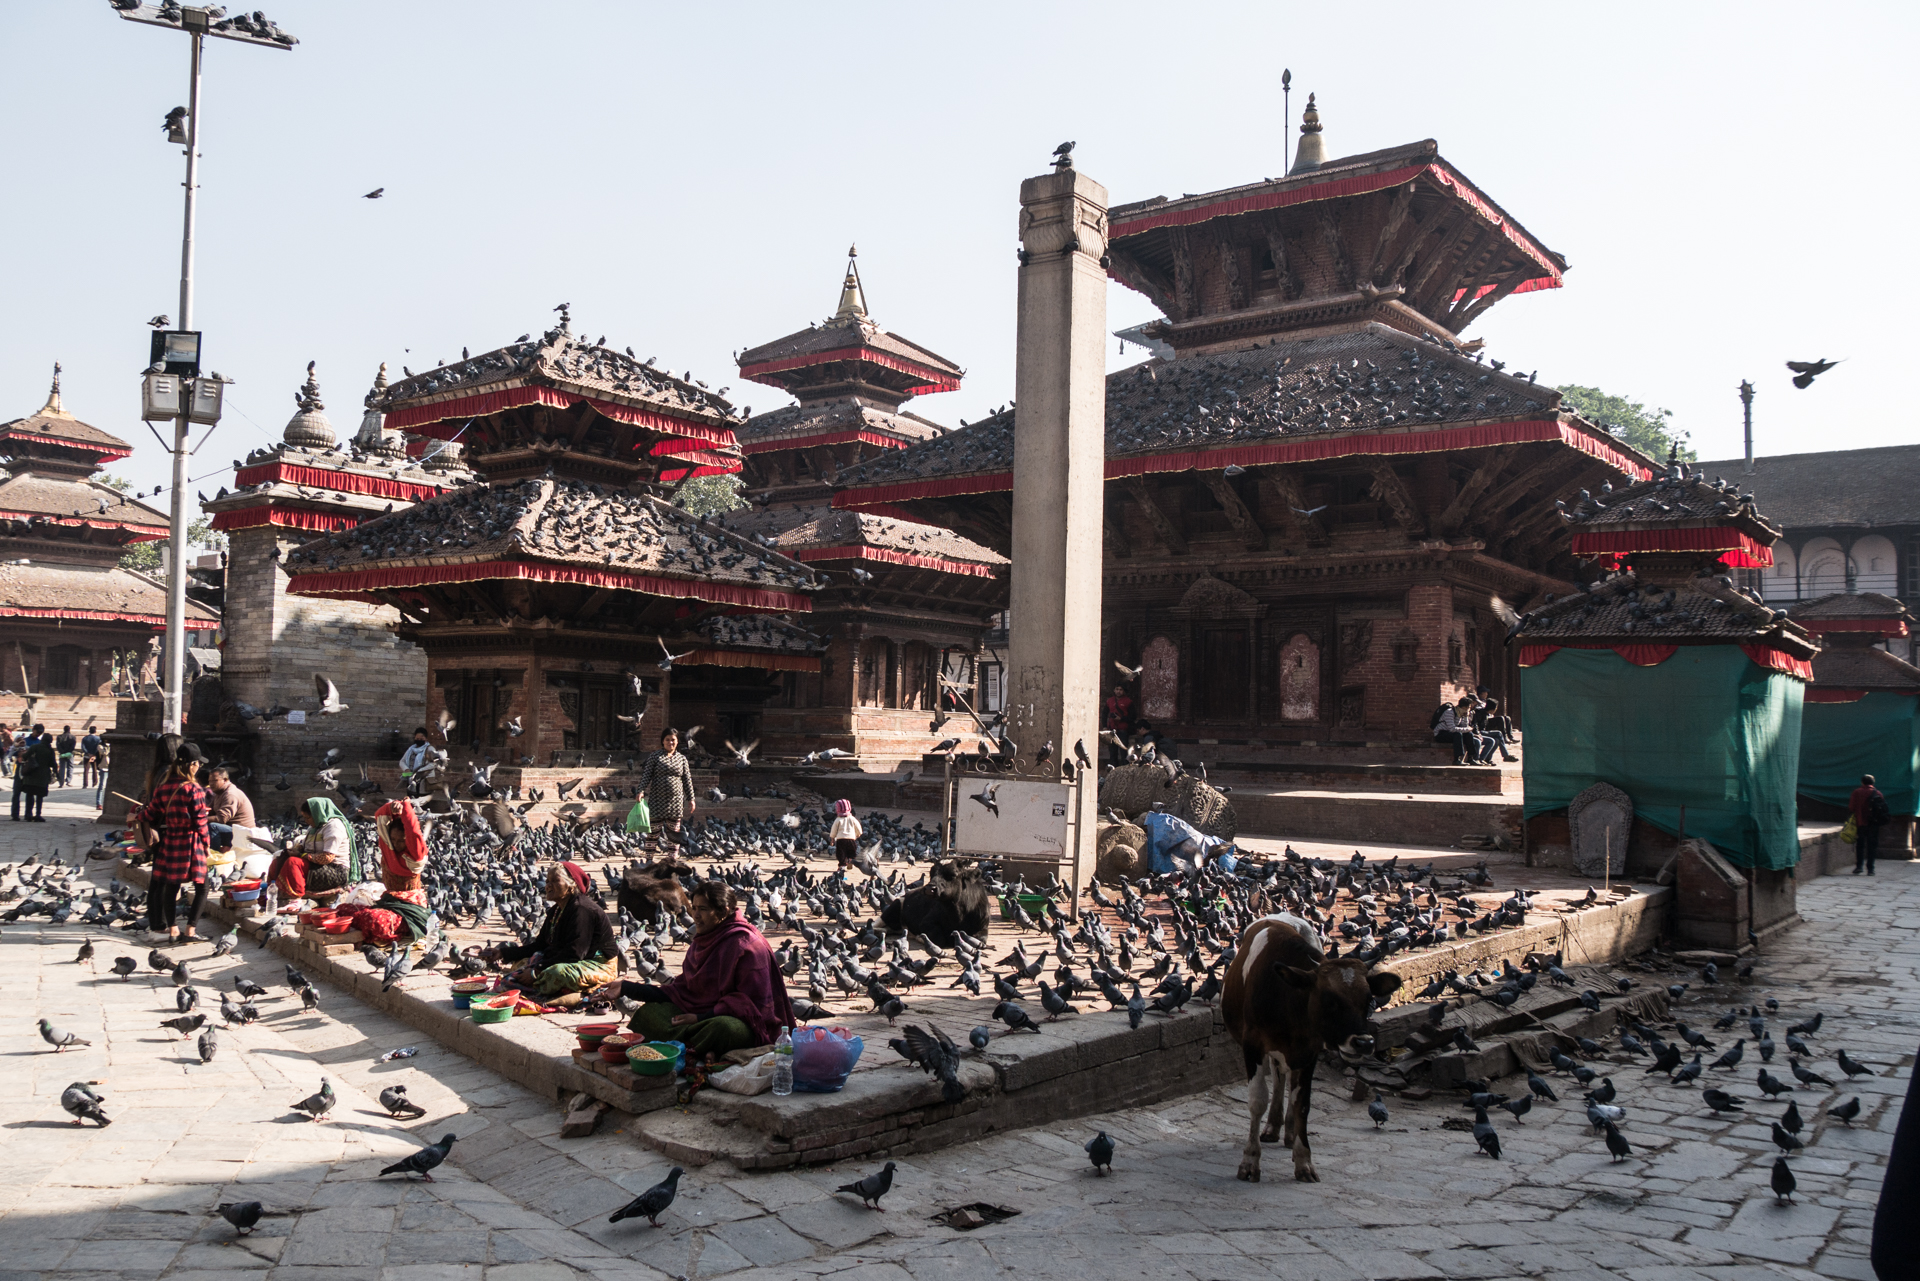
[845, 833]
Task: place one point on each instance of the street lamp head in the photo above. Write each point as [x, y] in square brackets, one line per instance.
[176, 126]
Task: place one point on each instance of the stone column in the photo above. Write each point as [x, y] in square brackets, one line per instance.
[1059, 459]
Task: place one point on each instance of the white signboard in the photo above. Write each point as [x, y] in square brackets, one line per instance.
[296, 717]
[1008, 818]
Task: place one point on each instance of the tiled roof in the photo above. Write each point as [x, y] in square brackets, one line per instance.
[1871, 487]
[558, 521]
[843, 332]
[799, 422]
[1669, 501]
[42, 589]
[796, 529]
[557, 358]
[1850, 605]
[1389, 158]
[56, 422]
[1621, 610]
[63, 499]
[1367, 379]
[1863, 667]
[759, 632]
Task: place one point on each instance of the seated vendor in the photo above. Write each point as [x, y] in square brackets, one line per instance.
[323, 862]
[401, 913]
[729, 995]
[575, 949]
[227, 807]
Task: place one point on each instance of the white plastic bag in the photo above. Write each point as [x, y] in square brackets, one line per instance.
[755, 1077]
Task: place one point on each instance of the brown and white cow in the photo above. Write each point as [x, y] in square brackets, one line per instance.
[1286, 1005]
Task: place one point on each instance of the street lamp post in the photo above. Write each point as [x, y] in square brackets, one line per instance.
[198, 23]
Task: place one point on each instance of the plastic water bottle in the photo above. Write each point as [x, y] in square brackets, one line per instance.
[783, 1064]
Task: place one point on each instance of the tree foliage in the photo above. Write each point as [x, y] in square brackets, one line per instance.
[1647, 430]
[151, 558]
[706, 496]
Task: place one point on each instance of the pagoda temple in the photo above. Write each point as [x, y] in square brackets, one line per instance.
[313, 481]
[1319, 506]
[1667, 682]
[904, 605]
[73, 615]
[553, 599]
[1862, 713]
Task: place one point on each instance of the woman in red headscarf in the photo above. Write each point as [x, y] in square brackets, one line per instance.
[575, 949]
[403, 856]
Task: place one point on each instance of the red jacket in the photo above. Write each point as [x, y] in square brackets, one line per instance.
[1857, 804]
[178, 814]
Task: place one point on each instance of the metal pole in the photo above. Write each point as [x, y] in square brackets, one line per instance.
[1746, 405]
[173, 703]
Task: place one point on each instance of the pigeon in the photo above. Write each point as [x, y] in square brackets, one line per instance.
[159, 961]
[1784, 1141]
[1720, 1101]
[394, 1099]
[871, 1188]
[1805, 371]
[1541, 1089]
[1790, 1121]
[1806, 1076]
[1485, 1136]
[186, 999]
[186, 1025]
[980, 1038]
[241, 1214]
[1846, 1111]
[1015, 1017]
[328, 695]
[1377, 1111]
[82, 1103]
[424, 1161]
[1054, 1003]
[86, 954]
[1600, 1114]
[1851, 1068]
[209, 1045]
[317, 1105]
[1783, 1180]
[124, 966]
[1732, 1057]
[1616, 1143]
[653, 1202]
[57, 1038]
[375, 194]
[1519, 1107]
[1100, 1152]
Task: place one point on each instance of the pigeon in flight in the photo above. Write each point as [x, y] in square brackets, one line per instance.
[375, 194]
[1805, 371]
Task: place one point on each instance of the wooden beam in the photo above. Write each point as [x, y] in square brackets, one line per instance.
[1131, 271]
[1113, 533]
[1445, 241]
[1549, 471]
[1471, 490]
[1277, 247]
[405, 608]
[1336, 244]
[596, 602]
[1473, 268]
[1390, 229]
[1163, 524]
[1415, 234]
[1477, 307]
[1390, 488]
[1230, 271]
[1179, 244]
[1242, 520]
[1439, 296]
[1284, 487]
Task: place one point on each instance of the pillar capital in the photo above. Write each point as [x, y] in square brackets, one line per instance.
[1064, 211]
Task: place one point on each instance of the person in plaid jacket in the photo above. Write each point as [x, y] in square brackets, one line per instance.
[177, 813]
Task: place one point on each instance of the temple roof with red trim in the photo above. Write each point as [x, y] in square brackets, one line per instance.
[847, 355]
[52, 427]
[1848, 667]
[1679, 511]
[76, 593]
[1366, 391]
[92, 503]
[834, 422]
[1626, 608]
[816, 534]
[755, 637]
[1870, 614]
[558, 529]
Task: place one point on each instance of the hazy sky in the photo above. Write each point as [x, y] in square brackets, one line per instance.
[1726, 181]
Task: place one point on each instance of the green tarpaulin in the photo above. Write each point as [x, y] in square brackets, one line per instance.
[1708, 729]
[1879, 735]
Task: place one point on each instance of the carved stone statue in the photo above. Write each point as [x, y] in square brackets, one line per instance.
[1601, 820]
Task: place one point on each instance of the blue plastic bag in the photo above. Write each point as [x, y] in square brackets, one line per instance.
[822, 1066]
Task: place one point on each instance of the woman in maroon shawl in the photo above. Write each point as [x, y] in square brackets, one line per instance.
[729, 995]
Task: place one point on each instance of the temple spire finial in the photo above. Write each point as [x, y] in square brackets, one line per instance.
[53, 405]
[853, 299]
[1313, 147]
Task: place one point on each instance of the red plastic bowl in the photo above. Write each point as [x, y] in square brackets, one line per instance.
[591, 1034]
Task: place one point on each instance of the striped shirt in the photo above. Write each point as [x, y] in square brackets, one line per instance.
[178, 814]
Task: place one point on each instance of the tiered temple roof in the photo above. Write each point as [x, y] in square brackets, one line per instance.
[1850, 626]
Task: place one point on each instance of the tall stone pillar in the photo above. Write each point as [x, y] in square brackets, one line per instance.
[1059, 457]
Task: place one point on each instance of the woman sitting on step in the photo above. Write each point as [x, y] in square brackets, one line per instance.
[323, 862]
[575, 950]
[729, 995]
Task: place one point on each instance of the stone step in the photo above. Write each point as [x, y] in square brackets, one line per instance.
[1375, 818]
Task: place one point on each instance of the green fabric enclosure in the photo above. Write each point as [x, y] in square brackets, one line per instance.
[1879, 735]
[1708, 729]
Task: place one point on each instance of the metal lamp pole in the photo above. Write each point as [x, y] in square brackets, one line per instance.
[198, 23]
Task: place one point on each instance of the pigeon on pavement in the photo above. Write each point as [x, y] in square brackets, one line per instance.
[57, 1038]
[1100, 1152]
[424, 1161]
[241, 1214]
[653, 1202]
[394, 1099]
[82, 1103]
[873, 1187]
[317, 1105]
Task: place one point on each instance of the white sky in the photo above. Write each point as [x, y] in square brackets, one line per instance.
[1727, 181]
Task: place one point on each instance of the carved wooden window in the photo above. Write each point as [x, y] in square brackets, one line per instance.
[1159, 680]
[1299, 679]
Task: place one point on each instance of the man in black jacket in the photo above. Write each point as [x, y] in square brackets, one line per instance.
[33, 775]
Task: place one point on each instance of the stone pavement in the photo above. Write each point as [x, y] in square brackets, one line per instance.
[516, 1203]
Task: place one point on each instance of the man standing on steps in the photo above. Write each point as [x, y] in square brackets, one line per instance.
[1868, 806]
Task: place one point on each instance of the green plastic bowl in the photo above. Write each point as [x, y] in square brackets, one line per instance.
[1032, 902]
[669, 1051]
[489, 1014]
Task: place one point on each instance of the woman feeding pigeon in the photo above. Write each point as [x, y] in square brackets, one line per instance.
[324, 861]
[729, 995]
[176, 815]
[575, 949]
[402, 912]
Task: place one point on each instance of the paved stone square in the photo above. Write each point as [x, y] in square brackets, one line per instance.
[516, 1203]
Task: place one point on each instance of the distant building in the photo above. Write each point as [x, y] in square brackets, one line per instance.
[1851, 519]
[78, 630]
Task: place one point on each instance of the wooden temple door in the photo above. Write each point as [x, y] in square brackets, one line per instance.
[598, 729]
[1221, 691]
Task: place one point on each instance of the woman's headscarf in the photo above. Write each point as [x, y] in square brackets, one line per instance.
[398, 828]
[580, 881]
[324, 811]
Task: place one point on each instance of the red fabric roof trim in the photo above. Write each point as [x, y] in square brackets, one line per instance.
[1825, 694]
[828, 438]
[78, 521]
[746, 658]
[1412, 442]
[423, 418]
[1879, 626]
[682, 473]
[694, 454]
[1642, 655]
[936, 380]
[156, 621]
[1355, 186]
[341, 482]
[286, 517]
[1743, 551]
[891, 557]
[366, 580]
[107, 453]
